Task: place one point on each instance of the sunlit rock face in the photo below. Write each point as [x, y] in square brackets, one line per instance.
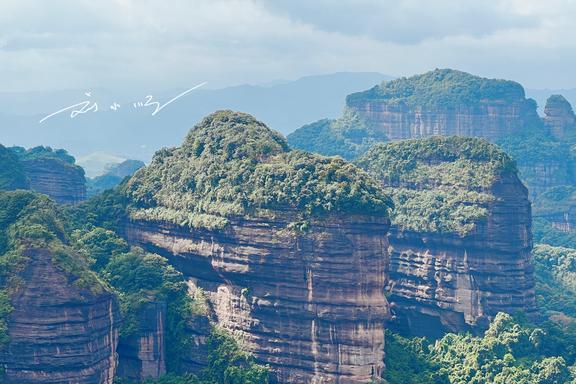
[461, 235]
[312, 306]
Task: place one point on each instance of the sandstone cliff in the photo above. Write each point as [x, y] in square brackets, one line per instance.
[445, 103]
[461, 234]
[58, 322]
[289, 248]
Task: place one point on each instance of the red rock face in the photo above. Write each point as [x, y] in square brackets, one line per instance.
[59, 332]
[64, 183]
[442, 282]
[312, 306]
[490, 119]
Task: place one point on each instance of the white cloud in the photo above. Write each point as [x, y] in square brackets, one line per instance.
[169, 43]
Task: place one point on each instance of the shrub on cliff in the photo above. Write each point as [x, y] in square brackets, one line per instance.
[232, 165]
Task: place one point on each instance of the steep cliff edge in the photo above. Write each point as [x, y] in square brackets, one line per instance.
[290, 248]
[460, 236]
[58, 322]
[54, 173]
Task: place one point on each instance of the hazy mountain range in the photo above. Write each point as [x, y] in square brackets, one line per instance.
[131, 132]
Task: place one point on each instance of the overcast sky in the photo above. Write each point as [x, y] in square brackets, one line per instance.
[76, 44]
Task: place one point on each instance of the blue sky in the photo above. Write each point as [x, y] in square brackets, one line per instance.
[77, 44]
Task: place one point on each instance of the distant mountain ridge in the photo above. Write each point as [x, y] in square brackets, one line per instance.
[133, 133]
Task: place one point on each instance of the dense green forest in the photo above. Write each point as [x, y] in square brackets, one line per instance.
[12, 174]
[511, 351]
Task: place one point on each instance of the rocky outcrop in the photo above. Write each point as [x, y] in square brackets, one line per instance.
[63, 182]
[463, 255]
[311, 306]
[59, 332]
[293, 262]
[559, 117]
[142, 355]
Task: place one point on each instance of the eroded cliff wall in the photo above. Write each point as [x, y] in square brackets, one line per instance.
[312, 306]
[59, 333]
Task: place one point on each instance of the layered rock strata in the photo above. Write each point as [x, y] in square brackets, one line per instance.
[58, 321]
[445, 102]
[311, 306]
[64, 183]
[59, 332]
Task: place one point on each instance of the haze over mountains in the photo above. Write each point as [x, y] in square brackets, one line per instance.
[134, 133]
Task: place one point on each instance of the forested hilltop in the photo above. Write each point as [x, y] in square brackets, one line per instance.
[441, 88]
